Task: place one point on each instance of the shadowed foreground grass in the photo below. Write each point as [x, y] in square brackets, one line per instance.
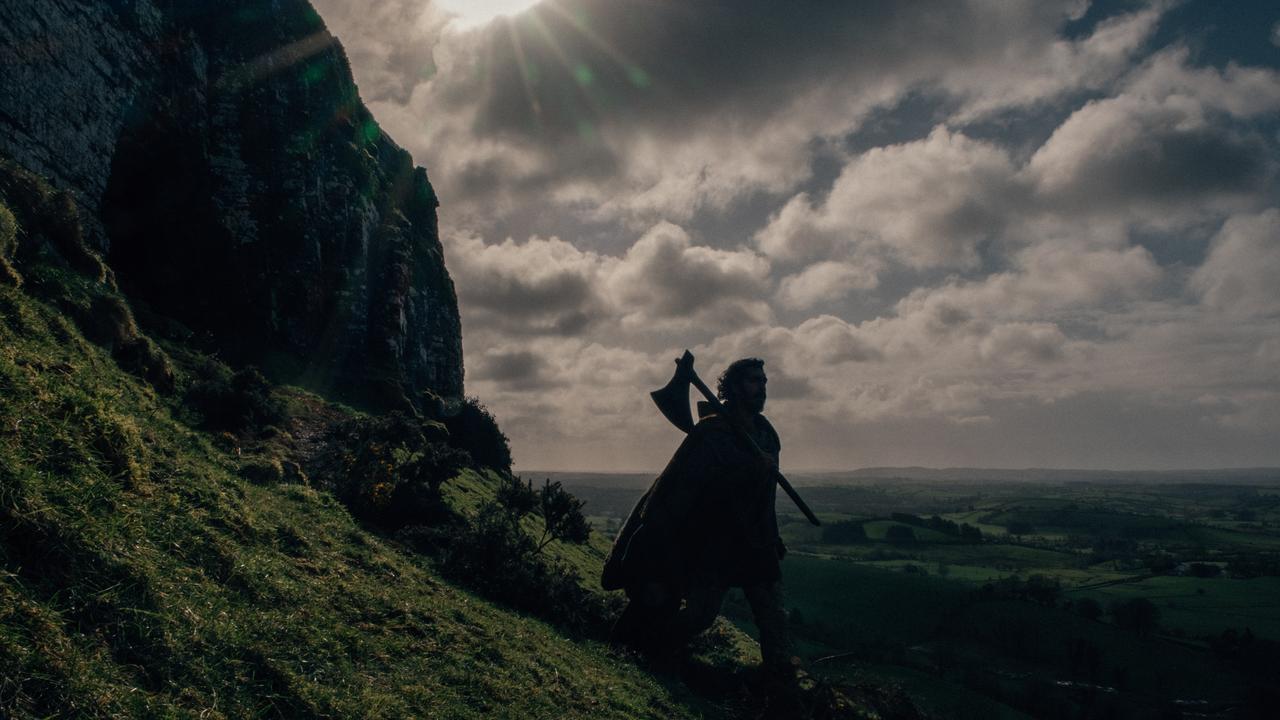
[141, 576]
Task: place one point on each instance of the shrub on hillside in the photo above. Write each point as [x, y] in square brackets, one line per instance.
[236, 402]
[562, 517]
[900, 535]
[474, 429]
[1139, 615]
[493, 555]
[561, 512]
[844, 532]
[388, 469]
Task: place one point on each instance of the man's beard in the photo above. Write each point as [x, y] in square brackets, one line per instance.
[753, 403]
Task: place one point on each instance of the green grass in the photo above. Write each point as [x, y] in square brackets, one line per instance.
[876, 530]
[945, 699]
[1205, 606]
[140, 576]
[861, 602]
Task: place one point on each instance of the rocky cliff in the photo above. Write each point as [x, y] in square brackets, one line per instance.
[224, 165]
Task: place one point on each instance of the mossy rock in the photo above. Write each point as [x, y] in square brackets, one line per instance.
[51, 217]
[263, 471]
[119, 444]
[8, 244]
[292, 472]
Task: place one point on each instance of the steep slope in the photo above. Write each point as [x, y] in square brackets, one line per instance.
[142, 576]
[223, 162]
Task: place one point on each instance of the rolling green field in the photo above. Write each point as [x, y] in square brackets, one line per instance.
[1070, 600]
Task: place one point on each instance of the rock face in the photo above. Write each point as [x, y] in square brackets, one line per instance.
[226, 167]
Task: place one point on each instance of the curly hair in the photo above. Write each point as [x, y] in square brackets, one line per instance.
[725, 382]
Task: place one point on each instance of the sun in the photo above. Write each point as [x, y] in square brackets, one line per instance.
[474, 13]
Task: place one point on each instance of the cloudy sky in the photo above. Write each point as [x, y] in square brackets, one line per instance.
[1000, 233]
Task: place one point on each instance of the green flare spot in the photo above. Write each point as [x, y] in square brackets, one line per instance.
[583, 74]
[428, 71]
[586, 130]
[638, 77]
[369, 131]
[313, 74]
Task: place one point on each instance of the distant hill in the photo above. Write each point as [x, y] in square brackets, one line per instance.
[1243, 476]
[1043, 475]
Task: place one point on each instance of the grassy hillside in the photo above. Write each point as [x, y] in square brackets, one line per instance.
[143, 576]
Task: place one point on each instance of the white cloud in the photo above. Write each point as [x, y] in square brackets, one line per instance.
[928, 203]
[1037, 69]
[665, 283]
[1241, 275]
[1242, 92]
[826, 281]
[543, 285]
[1158, 150]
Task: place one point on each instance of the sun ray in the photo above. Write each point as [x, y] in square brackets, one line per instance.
[524, 68]
[272, 62]
[635, 73]
[580, 72]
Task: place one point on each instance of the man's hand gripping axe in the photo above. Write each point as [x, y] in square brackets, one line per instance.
[673, 401]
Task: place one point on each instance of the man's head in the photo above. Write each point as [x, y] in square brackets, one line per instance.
[743, 384]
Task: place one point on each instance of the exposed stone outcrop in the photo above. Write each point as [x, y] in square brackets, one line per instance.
[224, 165]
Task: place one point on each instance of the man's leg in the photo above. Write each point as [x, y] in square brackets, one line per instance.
[771, 619]
[782, 688]
[701, 606]
[644, 622]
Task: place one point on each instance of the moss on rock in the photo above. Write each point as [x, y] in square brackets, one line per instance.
[8, 244]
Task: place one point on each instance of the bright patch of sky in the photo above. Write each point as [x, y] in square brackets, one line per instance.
[475, 13]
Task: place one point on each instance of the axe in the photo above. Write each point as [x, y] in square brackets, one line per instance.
[673, 401]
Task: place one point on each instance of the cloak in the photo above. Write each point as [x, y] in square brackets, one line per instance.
[708, 518]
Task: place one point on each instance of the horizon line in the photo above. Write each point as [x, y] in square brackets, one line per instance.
[825, 471]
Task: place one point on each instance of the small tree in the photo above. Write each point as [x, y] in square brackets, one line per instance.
[844, 532]
[516, 497]
[900, 535]
[1020, 527]
[561, 512]
[474, 429]
[1137, 614]
[562, 516]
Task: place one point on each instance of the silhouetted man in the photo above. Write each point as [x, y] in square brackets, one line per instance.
[705, 525]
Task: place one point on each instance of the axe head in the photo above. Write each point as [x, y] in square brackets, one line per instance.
[673, 399]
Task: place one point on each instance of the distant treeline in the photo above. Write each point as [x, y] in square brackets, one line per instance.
[852, 531]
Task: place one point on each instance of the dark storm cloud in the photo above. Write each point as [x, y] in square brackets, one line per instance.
[1124, 151]
[542, 286]
[515, 370]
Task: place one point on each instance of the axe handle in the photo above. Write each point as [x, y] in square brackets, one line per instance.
[777, 474]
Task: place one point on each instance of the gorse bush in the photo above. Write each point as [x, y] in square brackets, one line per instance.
[388, 470]
[561, 512]
[562, 517]
[233, 401]
[474, 429]
[495, 556]
[515, 497]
